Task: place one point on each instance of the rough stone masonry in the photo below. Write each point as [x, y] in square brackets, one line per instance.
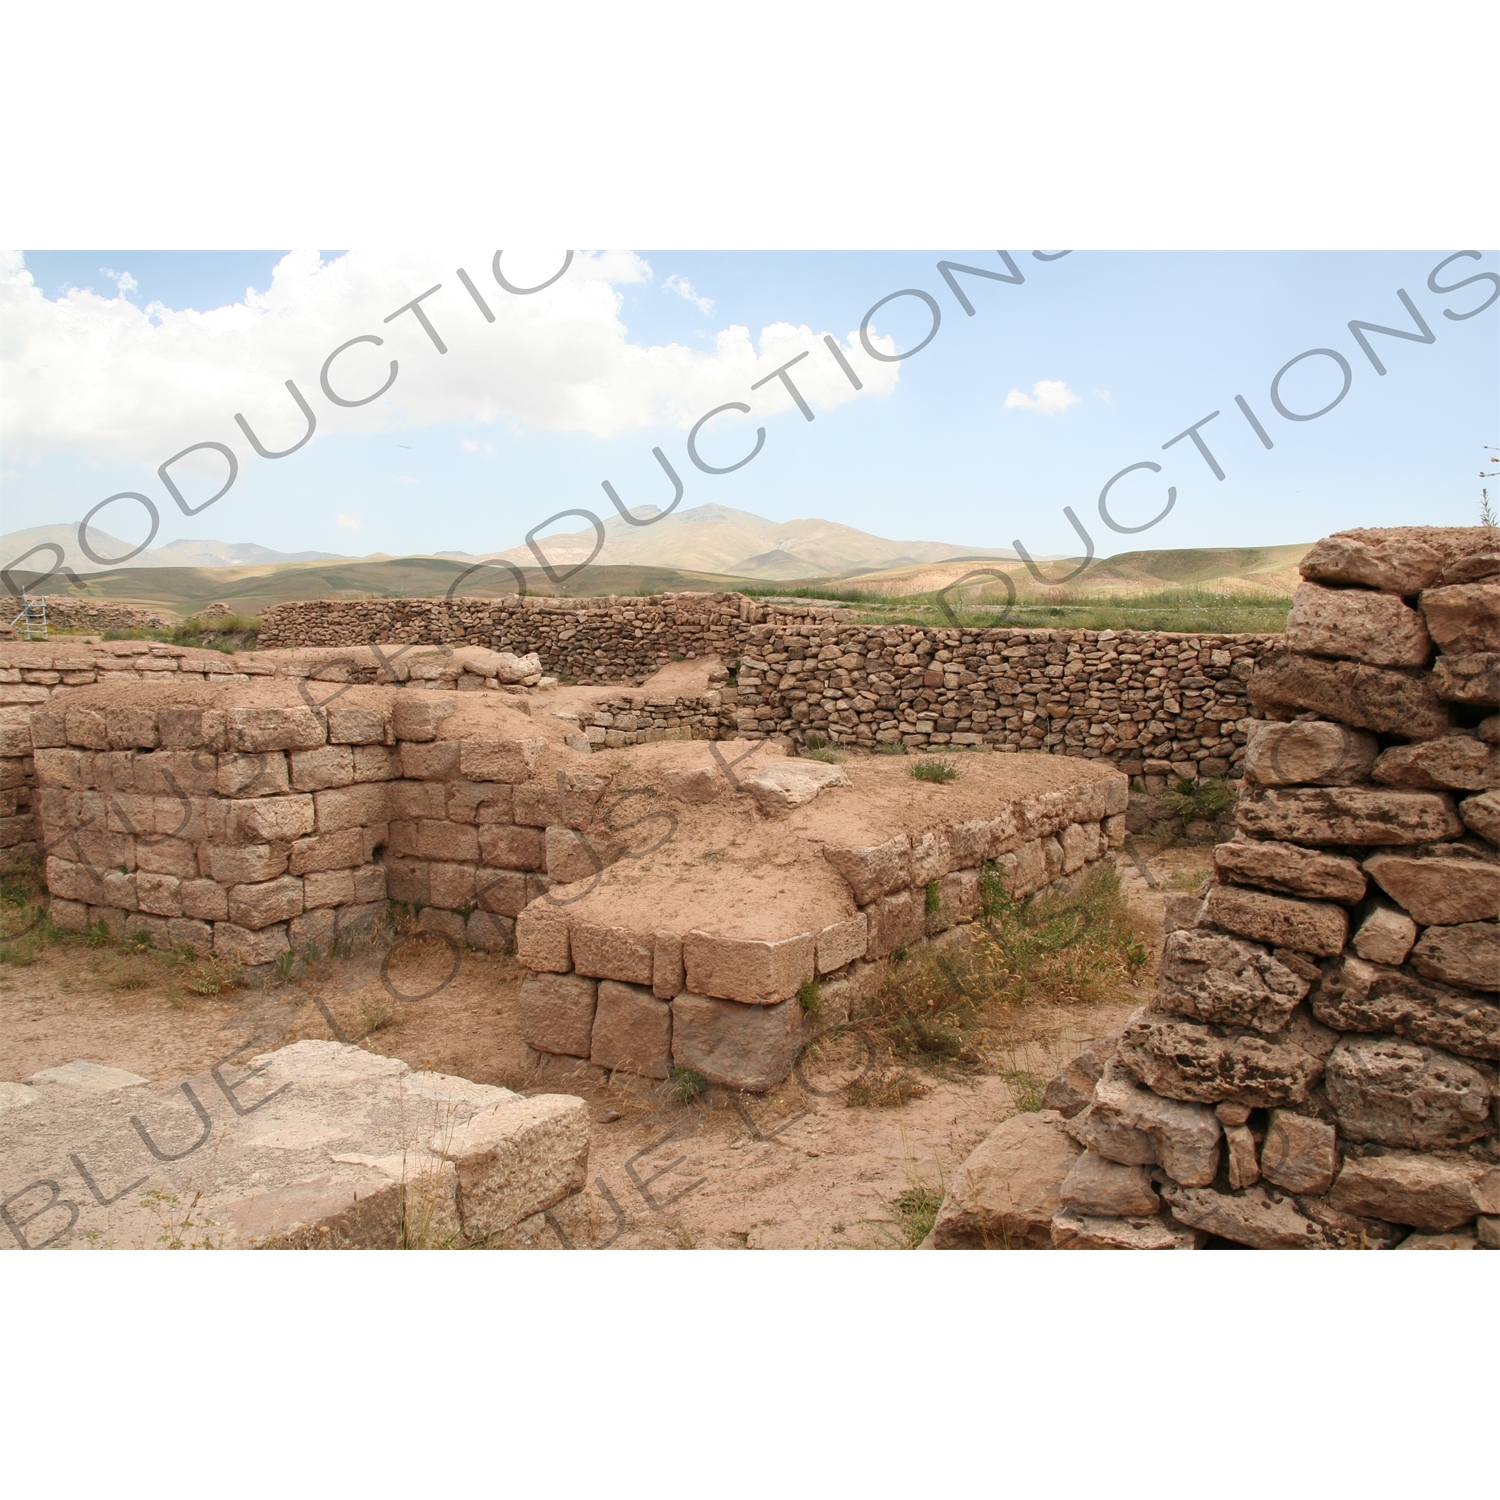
[1317, 1069]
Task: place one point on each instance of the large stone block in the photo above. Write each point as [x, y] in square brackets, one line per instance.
[254, 729]
[1468, 955]
[269, 901]
[1300, 1154]
[749, 1047]
[842, 942]
[348, 725]
[251, 947]
[517, 1158]
[327, 766]
[1379, 698]
[1394, 559]
[605, 952]
[509, 846]
[1359, 996]
[1316, 927]
[749, 970]
[1131, 1125]
[1464, 617]
[205, 900]
[1439, 892]
[417, 716]
[262, 820]
[1357, 624]
[571, 855]
[872, 871]
[509, 761]
[346, 807]
[1258, 1218]
[1406, 1187]
[1399, 1094]
[1207, 976]
[632, 1031]
[438, 761]
[1071, 1090]
[327, 851]
[244, 773]
[1462, 762]
[1005, 1194]
[1482, 815]
[452, 885]
[482, 802]
[1348, 815]
[1098, 1186]
[779, 788]
[897, 921]
[242, 864]
[668, 973]
[161, 895]
[542, 941]
[1290, 869]
[1184, 1060]
[557, 1013]
[1473, 679]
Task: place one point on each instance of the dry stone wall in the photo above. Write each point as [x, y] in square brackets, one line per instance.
[1318, 1067]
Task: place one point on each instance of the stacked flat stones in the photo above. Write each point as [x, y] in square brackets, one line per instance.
[1317, 1067]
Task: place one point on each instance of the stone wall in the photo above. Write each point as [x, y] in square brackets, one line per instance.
[67, 613]
[1318, 1066]
[1132, 697]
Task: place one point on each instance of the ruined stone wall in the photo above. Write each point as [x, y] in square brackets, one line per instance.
[1132, 697]
[1318, 1066]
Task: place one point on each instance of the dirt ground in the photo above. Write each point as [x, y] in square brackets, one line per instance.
[797, 1168]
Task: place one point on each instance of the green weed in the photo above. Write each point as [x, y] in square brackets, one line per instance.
[934, 770]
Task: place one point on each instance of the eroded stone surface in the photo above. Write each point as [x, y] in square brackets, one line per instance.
[1006, 1193]
[1300, 1153]
[1087, 1232]
[1439, 892]
[1259, 1217]
[1359, 996]
[1394, 559]
[1209, 976]
[1385, 936]
[791, 783]
[1135, 1127]
[1464, 617]
[1290, 869]
[632, 1031]
[1098, 1186]
[1312, 752]
[1379, 698]
[1316, 927]
[1460, 762]
[557, 1013]
[1398, 1093]
[1187, 1061]
[1468, 955]
[1072, 1089]
[748, 970]
[1349, 815]
[1482, 814]
[1473, 679]
[747, 1046]
[1358, 624]
[1408, 1187]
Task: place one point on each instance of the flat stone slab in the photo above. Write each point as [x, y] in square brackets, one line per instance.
[317, 1144]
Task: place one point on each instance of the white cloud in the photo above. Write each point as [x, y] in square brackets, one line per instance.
[405, 479]
[684, 289]
[486, 450]
[345, 522]
[106, 379]
[124, 282]
[1104, 396]
[1050, 396]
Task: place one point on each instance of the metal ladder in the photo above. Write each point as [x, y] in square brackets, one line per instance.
[31, 623]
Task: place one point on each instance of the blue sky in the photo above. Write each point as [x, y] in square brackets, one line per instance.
[1145, 343]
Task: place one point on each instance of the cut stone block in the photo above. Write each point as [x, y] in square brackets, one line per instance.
[749, 1047]
[317, 770]
[1300, 1153]
[1407, 1187]
[510, 847]
[257, 729]
[896, 921]
[842, 942]
[632, 1031]
[1385, 936]
[1394, 559]
[1397, 1093]
[268, 820]
[875, 871]
[262, 946]
[417, 716]
[244, 864]
[1439, 892]
[499, 760]
[748, 970]
[1349, 815]
[1208, 976]
[1468, 955]
[1464, 618]
[348, 725]
[1290, 869]
[1358, 624]
[668, 973]
[557, 1013]
[1315, 927]
[1006, 1193]
[611, 953]
[313, 930]
[1461, 762]
[1098, 1186]
[241, 774]
[1378, 698]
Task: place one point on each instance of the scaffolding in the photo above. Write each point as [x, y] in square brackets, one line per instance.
[31, 623]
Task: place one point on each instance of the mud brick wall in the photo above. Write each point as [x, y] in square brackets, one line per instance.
[1131, 697]
[1318, 1066]
[67, 613]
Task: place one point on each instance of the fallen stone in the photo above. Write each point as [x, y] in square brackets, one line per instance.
[1357, 624]
[1086, 1232]
[1072, 1090]
[1439, 892]
[1348, 815]
[94, 1077]
[1463, 617]
[1097, 1186]
[1305, 926]
[1398, 1093]
[1394, 559]
[1385, 936]
[1378, 698]
[557, 1013]
[1359, 996]
[1258, 1218]
[1135, 1127]
[1482, 814]
[787, 784]
[1183, 1060]
[748, 970]
[632, 1031]
[1300, 1154]
[1209, 976]
[1467, 955]
[749, 1047]
[1473, 679]
[1244, 1168]
[1006, 1192]
[1290, 869]
[1310, 752]
[1460, 762]
[1408, 1187]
